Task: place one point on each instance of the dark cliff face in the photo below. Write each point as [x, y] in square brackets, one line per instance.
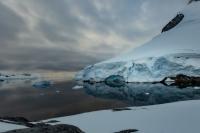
[192, 1]
[174, 22]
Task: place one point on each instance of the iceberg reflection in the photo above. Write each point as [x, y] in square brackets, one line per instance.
[139, 94]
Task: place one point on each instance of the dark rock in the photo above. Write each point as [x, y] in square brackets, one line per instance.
[115, 81]
[90, 81]
[15, 119]
[192, 1]
[128, 131]
[174, 22]
[183, 81]
[121, 109]
[61, 128]
[52, 121]
[1, 80]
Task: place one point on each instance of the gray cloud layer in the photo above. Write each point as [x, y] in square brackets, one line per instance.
[70, 34]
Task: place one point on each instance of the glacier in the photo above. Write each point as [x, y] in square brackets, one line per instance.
[176, 51]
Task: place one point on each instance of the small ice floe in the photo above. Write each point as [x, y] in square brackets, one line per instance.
[42, 84]
[77, 87]
[147, 93]
[58, 91]
[196, 88]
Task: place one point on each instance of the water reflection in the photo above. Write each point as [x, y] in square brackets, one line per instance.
[138, 94]
[19, 98]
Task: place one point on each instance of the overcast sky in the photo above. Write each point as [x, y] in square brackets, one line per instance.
[67, 35]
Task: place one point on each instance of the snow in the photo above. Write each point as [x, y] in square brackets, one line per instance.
[77, 87]
[7, 127]
[180, 117]
[173, 52]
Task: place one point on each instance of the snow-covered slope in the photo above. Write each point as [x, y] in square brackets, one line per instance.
[180, 117]
[7, 127]
[173, 52]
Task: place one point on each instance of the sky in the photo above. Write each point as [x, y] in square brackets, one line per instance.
[67, 35]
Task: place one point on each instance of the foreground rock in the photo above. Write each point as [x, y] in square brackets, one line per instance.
[18, 121]
[39, 127]
[62, 128]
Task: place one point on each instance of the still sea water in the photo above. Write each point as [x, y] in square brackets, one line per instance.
[20, 98]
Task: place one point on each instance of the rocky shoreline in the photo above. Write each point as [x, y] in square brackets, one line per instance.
[46, 127]
[39, 127]
[182, 81]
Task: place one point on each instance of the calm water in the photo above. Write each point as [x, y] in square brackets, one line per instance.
[20, 98]
[140, 94]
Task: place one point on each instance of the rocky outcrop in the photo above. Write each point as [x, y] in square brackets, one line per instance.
[192, 1]
[120, 109]
[17, 120]
[128, 131]
[183, 81]
[174, 22]
[61, 128]
[39, 127]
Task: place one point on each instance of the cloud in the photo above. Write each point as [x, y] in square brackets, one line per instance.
[70, 34]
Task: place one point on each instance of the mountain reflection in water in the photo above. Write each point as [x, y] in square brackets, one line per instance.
[139, 94]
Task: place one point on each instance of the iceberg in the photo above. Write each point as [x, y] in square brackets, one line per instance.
[174, 51]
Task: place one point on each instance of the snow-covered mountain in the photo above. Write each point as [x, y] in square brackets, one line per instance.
[175, 51]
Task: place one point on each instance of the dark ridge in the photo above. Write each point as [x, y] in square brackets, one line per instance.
[182, 81]
[174, 22]
[120, 109]
[128, 131]
[192, 1]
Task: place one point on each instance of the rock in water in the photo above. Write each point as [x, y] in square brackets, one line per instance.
[115, 81]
